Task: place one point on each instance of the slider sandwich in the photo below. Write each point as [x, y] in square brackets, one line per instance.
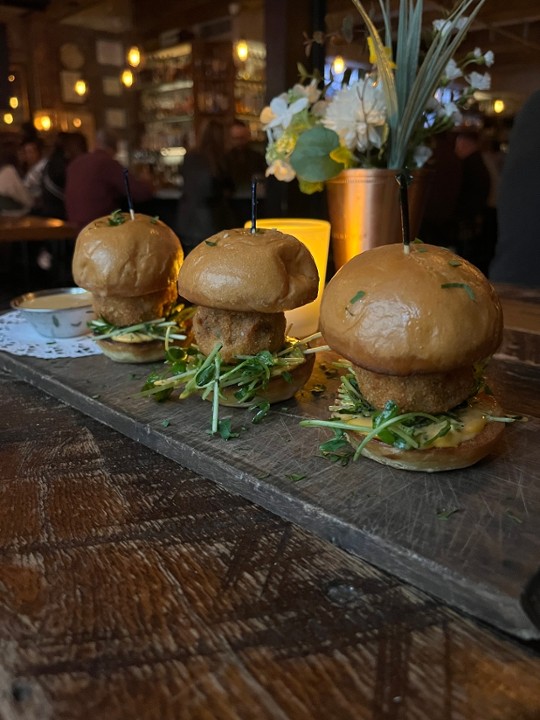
[241, 283]
[131, 266]
[416, 326]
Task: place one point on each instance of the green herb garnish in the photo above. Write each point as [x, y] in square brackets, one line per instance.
[190, 372]
[513, 517]
[172, 327]
[165, 423]
[444, 514]
[295, 477]
[225, 430]
[117, 218]
[406, 431]
[454, 263]
[359, 295]
[154, 220]
[468, 289]
[210, 243]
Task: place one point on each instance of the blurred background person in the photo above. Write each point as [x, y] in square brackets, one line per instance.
[35, 161]
[95, 184]
[66, 148]
[204, 207]
[517, 255]
[243, 163]
[472, 200]
[439, 226]
[15, 199]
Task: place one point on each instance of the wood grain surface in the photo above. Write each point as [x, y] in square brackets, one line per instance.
[482, 559]
[134, 589]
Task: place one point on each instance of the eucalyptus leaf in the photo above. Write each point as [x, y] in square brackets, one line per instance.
[311, 156]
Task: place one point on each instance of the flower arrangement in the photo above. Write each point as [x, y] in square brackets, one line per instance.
[387, 117]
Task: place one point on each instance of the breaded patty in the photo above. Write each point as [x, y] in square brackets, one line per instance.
[123, 311]
[430, 392]
[241, 333]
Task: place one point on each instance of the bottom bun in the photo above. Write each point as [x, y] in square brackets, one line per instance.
[143, 352]
[278, 389]
[434, 459]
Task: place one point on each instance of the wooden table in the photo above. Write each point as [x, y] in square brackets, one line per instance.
[58, 235]
[134, 588]
[32, 228]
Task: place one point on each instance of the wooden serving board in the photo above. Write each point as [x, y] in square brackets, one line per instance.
[469, 537]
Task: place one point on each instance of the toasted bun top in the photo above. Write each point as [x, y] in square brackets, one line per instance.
[266, 271]
[133, 258]
[399, 314]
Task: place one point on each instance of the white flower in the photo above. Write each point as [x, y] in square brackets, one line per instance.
[281, 170]
[489, 58]
[280, 113]
[311, 91]
[421, 155]
[358, 115]
[479, 81]
[452, 70]
[445, 26]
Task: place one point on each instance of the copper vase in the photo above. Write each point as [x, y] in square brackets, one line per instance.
[364, 210]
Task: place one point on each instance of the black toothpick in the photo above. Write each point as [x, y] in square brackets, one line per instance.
[404, 179]
[253, 206]
[128, 194]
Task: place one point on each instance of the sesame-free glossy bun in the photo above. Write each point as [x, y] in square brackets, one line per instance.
[266, 271]
[390, 312]
[134, 258]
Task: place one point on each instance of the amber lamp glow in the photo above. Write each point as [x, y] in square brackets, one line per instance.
[315, 234]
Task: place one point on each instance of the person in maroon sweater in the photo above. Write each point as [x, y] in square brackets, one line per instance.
[95, 183]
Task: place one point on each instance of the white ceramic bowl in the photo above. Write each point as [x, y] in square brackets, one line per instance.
[59, 313]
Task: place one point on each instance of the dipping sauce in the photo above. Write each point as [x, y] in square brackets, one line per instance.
[59, 301]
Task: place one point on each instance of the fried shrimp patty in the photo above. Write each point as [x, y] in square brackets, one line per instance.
[429, 392]
[241, 333]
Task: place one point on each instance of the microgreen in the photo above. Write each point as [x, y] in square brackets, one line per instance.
[117, 218]
[358, 296]
[154, 220]
[454, 263]
[445, 514]
[210, 243]
[406, 431]
[468, 289]
[172, 327]
[190, 372]
[295, 477]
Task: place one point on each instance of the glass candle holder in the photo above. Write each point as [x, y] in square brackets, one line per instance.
[315, 235]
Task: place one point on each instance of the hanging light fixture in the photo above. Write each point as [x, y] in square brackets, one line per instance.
[8, 118]
[242, 50]
[127, 78]
[13, 102]
[134, 56]
[498, 106]
[80, 87]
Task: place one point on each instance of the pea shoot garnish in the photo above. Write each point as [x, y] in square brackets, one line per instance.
[468, 289]
[117, 218]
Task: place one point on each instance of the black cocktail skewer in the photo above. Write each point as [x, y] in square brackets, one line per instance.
[128, 194]
[253, 206]
[404, 179]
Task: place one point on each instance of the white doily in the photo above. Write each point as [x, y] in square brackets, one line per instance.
[18, 337]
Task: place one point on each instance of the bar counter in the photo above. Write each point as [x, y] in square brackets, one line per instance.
[133, 587]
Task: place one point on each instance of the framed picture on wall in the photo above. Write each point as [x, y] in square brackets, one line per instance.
[110, 52]
[115, 118]
[112, 85]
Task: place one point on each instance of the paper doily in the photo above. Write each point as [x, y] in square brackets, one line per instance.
[18, 337]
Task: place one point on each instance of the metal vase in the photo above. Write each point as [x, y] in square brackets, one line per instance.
[364, 210]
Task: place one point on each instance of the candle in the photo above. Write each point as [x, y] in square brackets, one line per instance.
[315, 234]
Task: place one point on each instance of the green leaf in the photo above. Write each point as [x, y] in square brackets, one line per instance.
[468, 289]
[359, 295]
[225, 430]
[165, 423]
[311, 156]
[295, 477]
[444, 513]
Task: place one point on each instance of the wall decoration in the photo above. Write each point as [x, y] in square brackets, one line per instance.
[67, 81]
[110, 52]
[112, 85]
[115, 118]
